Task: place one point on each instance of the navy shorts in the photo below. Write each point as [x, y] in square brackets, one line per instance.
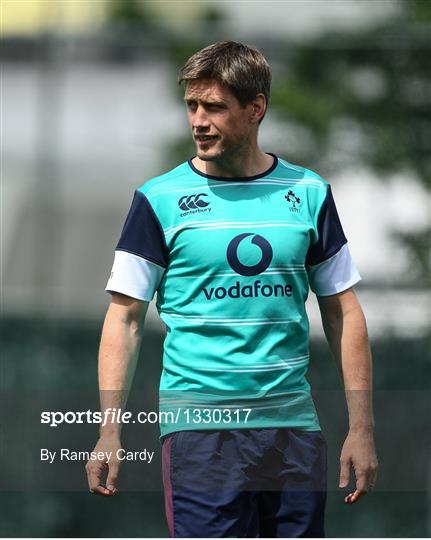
[245, 483]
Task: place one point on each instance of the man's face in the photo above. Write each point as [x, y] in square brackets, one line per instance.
[221, 127]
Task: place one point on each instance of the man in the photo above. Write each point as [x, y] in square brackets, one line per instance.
[231, 241]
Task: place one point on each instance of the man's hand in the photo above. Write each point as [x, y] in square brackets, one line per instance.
[358, 452]
[95, 468]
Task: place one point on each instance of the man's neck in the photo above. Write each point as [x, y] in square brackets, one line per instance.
[240, 166]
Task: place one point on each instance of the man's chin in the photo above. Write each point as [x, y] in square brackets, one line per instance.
[206, 157]
[211, 154]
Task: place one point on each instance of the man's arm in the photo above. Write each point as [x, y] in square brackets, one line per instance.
[118, 354]
[346, 331]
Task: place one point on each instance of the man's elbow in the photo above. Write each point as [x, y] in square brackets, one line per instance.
[128, 311]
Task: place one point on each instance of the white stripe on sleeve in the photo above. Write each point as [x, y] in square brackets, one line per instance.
[334, 275]
[134, 276]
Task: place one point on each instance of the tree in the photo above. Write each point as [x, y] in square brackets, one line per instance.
[370, 88]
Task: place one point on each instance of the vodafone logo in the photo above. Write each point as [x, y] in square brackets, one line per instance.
[248, 288]
[255, 269]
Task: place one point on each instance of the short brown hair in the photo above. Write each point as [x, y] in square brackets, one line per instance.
[241, 68]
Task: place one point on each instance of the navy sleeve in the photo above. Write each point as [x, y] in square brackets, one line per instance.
[331, 237]
[142, 233]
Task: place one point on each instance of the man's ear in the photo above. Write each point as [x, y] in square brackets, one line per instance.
[258, 108]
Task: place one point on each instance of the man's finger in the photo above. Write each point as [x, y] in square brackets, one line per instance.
[344, 473]
[111, 481]
[362, 482]
[101, 490]
[94, 472]
[354, 497]
[361, 488]
[372, 475]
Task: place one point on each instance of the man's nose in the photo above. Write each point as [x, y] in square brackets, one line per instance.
[200, 119]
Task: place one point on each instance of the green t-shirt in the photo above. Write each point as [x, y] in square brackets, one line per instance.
[232, 260]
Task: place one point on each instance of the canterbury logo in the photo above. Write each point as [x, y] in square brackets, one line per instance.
[192, 202]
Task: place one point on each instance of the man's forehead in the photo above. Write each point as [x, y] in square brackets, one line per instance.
[207, 88]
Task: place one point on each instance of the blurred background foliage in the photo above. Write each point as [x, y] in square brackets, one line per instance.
[372, 87]
[357, 98]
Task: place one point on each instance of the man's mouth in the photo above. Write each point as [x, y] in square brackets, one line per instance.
[205, 138]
